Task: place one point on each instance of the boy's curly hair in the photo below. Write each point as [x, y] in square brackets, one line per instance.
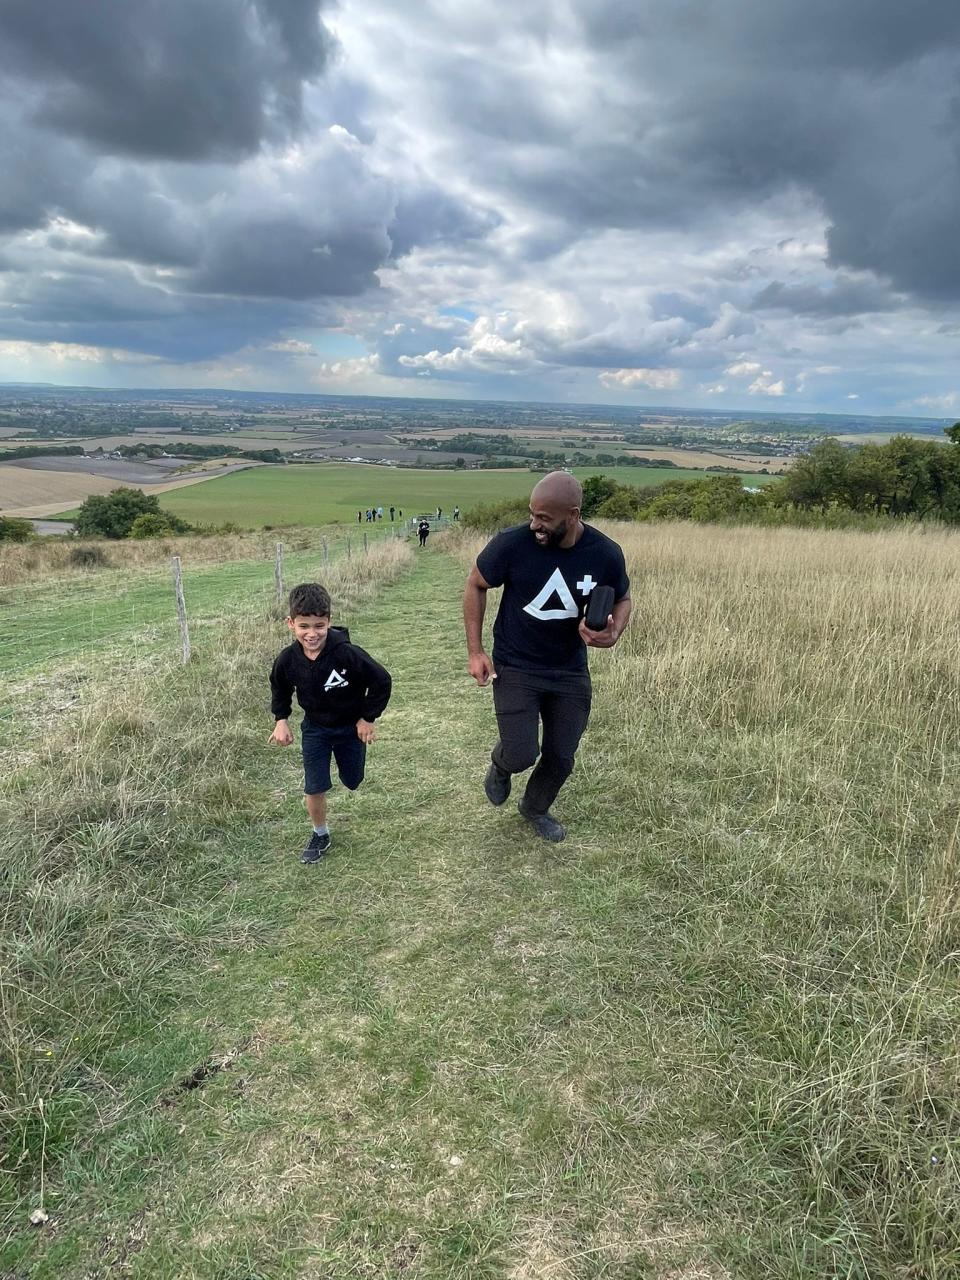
[309, 598]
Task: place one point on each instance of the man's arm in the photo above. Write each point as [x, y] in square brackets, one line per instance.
[616, 625]
[474, 608]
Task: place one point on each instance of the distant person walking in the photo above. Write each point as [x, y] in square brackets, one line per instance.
[379, 513]
[392, 512]
[359, 517]
[456, 513]
[439, 512]
[547, 568]
[423, 532]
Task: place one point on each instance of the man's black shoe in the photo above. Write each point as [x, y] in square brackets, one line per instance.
[496, 785]
[545, 825]
[316, 847]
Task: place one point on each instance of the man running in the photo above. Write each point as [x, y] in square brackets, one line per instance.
[547, 569]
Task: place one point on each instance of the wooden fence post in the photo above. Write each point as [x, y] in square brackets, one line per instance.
[181, 608]
[348, 549]
[326, 551]
[278, 573]
[365, 547]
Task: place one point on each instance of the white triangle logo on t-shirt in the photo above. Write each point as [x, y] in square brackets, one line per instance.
[554, 586]
[335, 680]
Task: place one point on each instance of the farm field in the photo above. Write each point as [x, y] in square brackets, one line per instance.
[40, 491]
[883, 437]
[35, 492]
[319, 494]
[705, 458]
[714, 1034]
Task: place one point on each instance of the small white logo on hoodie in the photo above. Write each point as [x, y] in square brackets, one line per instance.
[335, 680]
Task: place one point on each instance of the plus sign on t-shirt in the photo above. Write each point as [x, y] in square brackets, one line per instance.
[546, 591]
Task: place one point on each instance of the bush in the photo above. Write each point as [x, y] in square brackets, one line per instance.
[112, 515]
[157, 524]
[491, 517]
[116, 514]
[621, 505]
[13, 530]
[596, 491]
[89, 558]
[708, 500]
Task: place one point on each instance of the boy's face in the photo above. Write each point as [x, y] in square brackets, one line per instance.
[311, 630]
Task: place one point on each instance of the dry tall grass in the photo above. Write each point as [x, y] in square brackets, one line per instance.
[71, 559]
[777, 737]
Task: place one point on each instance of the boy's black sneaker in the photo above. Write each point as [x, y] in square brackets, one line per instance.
[316, 847]
[545, 825]
[496, 785]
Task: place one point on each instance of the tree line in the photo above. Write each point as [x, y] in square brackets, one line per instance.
[830, 485]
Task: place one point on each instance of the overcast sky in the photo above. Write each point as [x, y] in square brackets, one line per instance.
[730, 205]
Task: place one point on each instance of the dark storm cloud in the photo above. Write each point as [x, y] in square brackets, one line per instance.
[428, 215]
[872, 35]
[178, 79]
[844, 297]
[123, 244]
[38, 172]
[292, 259]
[691, 111]
[113, 309]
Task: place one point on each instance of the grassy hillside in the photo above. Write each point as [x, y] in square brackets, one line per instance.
[712, 1035]
[320, 494]
[60, 621]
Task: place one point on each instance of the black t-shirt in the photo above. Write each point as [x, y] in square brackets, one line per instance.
[545, 593]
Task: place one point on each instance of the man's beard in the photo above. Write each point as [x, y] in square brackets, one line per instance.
[556, 536]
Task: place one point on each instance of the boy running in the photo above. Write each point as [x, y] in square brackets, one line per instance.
[342, 691]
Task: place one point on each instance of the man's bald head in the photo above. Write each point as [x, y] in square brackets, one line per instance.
[555, 510]
[560, 490]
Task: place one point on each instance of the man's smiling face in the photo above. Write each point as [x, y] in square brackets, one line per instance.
[550, 521]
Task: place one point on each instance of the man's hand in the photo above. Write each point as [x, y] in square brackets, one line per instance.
[604, 639]
[281, 734]
[366, 731]
[481, 668]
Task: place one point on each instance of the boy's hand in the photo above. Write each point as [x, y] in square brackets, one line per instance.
[281, 734]
[366, 731]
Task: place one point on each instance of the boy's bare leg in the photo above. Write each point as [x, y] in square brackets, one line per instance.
[317, 808]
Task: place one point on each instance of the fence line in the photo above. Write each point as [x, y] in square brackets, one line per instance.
[154, 606]
[278, 572]
[181, 608]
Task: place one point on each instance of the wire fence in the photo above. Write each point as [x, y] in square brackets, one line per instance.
[55, 632]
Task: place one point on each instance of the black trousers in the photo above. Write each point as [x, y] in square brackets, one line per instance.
[522, 699]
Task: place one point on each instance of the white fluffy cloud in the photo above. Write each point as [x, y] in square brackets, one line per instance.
[765, 385]
[946, 402]
[658, 379]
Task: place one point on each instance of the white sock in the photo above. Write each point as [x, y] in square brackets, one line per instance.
[321, 831]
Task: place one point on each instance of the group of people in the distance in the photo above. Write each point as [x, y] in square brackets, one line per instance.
[548, 569]
[373, 514]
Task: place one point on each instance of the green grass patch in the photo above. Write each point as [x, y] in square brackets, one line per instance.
[112, 617]
[323, 493]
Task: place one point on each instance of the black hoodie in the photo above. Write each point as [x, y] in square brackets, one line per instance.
[342, 685]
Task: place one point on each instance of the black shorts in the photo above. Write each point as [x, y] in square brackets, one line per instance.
[319, 744]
